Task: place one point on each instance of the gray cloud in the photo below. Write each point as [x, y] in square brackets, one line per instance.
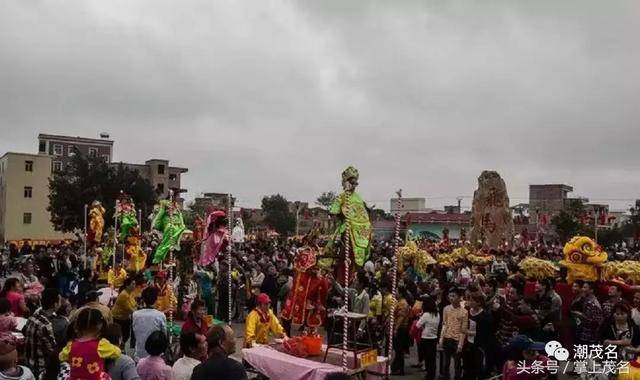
[279, 96]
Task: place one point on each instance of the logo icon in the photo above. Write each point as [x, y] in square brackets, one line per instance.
[555, 349]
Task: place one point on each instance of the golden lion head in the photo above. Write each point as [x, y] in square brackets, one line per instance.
[583, 250]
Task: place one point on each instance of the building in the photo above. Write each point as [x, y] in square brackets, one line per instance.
[161, 176]
[408, 205]
[219, 201]
[24, 198]
[547, 200]
[63, 148]
[432, 224]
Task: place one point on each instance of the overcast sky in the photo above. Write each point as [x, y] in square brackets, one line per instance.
[259, 97]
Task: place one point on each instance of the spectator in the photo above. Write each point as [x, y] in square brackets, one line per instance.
[221, 343]
[269, 286]
[454, 325]
[153, 366]
[60, 322]
[12, 291]
[194, 349]
[196, 321]
[8, 322]
[622, 332]
[146, 321]
[526, 354]
[401, 338]
[124, 307]
[86, 354]
[590, 316]
[9, 368]
[122, 368]
[635, 312]
[429, 322]
[39, 340]
[478, 335]
[93, 303]
[614, 294]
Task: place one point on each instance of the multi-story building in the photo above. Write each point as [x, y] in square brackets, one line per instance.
[407, 205]
[547, 200]
[24, 198]
[219, 201]
[63, 148]
[161, 176]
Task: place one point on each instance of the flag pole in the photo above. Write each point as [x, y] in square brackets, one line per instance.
[84, 261]
[394, 283]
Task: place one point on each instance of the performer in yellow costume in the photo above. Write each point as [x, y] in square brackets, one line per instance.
[96, 223]
[167, 300]
[116, 276]
[260, 322]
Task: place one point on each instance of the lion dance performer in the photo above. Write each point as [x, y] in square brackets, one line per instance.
[169, 221]
[216, 237]
[353, 221]
[96, 223]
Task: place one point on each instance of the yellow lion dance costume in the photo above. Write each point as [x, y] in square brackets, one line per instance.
[583, 257]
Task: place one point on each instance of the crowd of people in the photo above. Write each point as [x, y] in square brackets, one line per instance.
[463, 321]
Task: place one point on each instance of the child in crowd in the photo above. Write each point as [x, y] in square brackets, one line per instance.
[87, 353]
[9, 368]
[153, 366]
[8, 322]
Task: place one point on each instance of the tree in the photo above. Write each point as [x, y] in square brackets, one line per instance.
[326, 199]
[277, 214]
[86, 179]
[567, 223]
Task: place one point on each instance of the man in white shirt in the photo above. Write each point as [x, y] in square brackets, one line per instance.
[146, 321]
[194, 348]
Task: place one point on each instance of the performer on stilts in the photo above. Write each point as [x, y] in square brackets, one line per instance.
[353, 214]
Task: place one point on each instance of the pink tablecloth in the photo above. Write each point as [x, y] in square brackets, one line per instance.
[277, 365]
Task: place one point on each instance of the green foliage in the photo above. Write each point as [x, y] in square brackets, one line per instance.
[567, 223]
[277, 214]
[86, 179]
[326, 199]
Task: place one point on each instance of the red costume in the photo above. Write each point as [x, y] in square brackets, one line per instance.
[308, 295]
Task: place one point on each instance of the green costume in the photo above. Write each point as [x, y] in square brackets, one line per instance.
[353, 214]
[169, 221]
[128, 221]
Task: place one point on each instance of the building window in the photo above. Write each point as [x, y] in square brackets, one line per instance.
[160, 188]
[28, 191]
[105, 157]
[26, 218]
[93, 152]
[71, 150]
[57, 166]
[160, 169]
[28, 166]
[173, 177]
[42, 146]
[57, 150]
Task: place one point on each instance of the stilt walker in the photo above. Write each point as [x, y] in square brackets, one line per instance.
[86, 236]
[169, 221]
[394, 283]
[229, 218]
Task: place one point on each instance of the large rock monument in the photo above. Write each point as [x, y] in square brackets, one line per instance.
[491, 221]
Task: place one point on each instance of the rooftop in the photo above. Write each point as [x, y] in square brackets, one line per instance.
[77, 139]
[24, 154]
[435, 217]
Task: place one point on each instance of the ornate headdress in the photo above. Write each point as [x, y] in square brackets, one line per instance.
[349, 173]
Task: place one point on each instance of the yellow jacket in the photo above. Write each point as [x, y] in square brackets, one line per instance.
[116, 280]
[258, 331]
[124, 306]
[166, 299]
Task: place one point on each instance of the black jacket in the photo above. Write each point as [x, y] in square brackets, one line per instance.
[219, 366]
